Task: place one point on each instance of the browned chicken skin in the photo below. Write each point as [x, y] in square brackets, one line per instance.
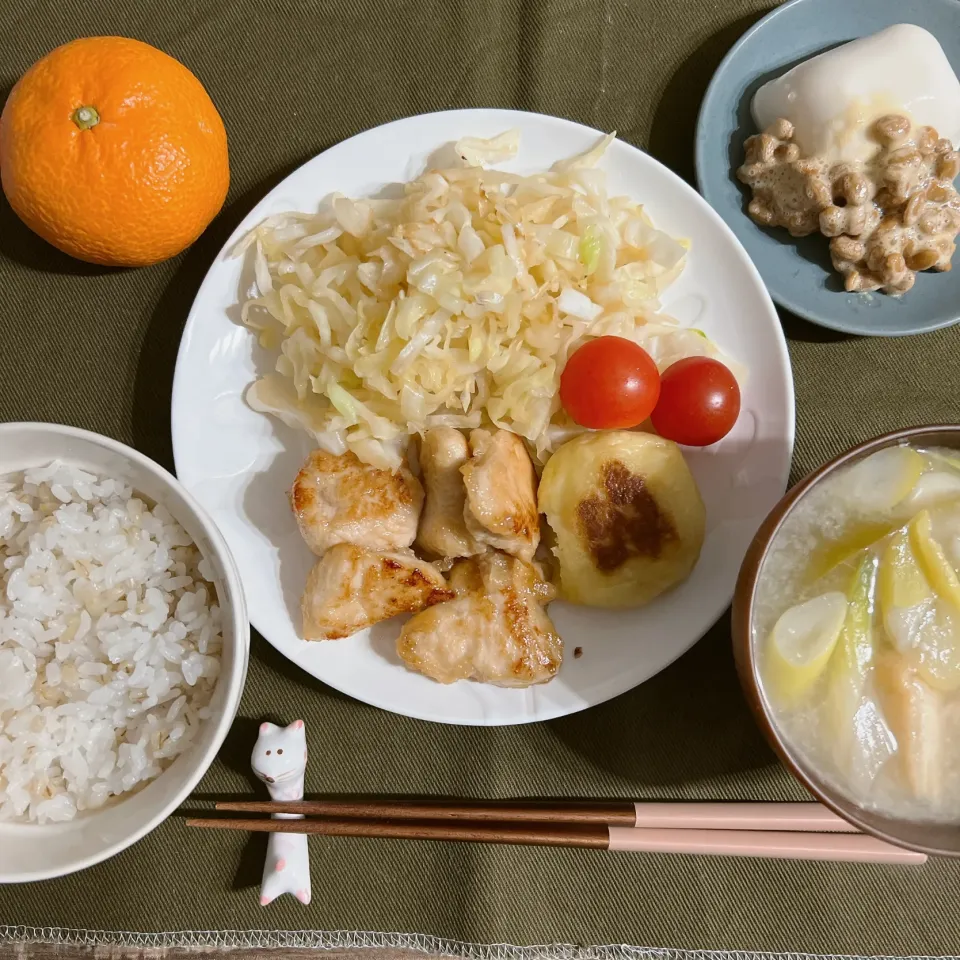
[495, 630]
[501, 493]
[351, 588]
[443, 530]
[339, 499]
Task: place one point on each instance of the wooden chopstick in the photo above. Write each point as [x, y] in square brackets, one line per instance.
[848, 847]
[675, 816]
[512, 811]
[559, 835]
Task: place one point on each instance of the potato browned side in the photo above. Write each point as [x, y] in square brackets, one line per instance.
[627, 515]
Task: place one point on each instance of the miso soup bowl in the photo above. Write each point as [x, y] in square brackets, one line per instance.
[932, 838]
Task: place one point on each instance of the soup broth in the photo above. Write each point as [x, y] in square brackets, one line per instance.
[857, 627]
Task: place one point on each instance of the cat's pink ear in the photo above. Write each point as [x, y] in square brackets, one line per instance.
[266, 727]
[296, 725]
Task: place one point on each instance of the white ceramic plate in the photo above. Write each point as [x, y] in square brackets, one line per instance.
[239, 464]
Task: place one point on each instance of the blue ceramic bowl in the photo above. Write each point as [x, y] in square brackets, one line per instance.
[798, 273]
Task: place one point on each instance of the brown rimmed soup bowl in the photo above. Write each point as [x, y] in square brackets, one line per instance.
[932, 837]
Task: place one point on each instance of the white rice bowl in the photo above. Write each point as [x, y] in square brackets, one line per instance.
[110, 642]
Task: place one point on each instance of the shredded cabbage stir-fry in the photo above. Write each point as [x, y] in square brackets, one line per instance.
[456, 305]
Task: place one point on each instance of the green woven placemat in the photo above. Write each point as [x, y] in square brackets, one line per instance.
[96, 348]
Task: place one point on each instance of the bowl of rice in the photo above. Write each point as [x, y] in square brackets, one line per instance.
[123, 647]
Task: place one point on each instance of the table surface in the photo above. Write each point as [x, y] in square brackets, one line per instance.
[96, 348]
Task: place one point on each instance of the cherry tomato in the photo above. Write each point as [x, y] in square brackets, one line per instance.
[699, 402]
[609, 384]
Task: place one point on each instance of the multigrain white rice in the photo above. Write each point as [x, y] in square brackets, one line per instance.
[110, 642]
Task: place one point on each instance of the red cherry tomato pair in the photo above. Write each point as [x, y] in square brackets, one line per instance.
[612, 384]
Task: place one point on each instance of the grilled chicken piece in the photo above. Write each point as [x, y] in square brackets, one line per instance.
[443, 530]
[351, 588]
[339, 499]
[501, 508]
[495, 631]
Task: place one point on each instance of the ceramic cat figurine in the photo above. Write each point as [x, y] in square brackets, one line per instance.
[279, 760]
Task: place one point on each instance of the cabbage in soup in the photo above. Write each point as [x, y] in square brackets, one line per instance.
[857, 623]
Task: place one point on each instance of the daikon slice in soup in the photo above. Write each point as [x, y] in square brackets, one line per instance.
[857, 629]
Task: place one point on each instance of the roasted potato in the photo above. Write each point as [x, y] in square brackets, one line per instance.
[627, 515]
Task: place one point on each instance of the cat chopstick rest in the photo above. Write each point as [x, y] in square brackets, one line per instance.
[279, 760]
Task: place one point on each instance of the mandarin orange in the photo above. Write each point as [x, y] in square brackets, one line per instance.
[113, 151]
